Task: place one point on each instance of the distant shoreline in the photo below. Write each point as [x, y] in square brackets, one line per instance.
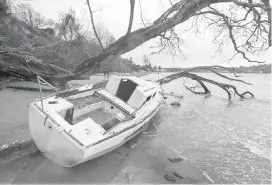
[258, 69]
[208, 72]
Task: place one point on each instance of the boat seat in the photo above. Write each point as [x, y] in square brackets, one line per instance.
[110, 123]
[115, 101]
[87, 131]
[120, 116]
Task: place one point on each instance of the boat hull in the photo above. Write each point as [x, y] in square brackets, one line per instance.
[58, 145]
[54, 144]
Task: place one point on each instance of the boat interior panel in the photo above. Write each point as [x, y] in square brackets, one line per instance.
[115, 101]
[125, 89]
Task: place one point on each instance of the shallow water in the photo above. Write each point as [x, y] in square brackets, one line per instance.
[228, 142]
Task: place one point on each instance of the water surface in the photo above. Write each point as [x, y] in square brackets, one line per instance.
[226, 142]
[230, 142]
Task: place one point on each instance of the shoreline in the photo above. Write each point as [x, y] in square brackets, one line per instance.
[15, 139]
[16, 97]
[144, 159]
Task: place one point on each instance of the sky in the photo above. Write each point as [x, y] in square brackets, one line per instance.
[198, 49]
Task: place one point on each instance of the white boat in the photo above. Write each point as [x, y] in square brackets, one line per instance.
[80, 124]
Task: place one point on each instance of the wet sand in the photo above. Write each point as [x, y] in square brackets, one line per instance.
[145, 159]
[14, 114]
[149, 161]
[14, 103]
[15, 139]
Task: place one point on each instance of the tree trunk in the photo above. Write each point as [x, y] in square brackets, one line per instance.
[129, 42]
[176, 14]
[183, 11]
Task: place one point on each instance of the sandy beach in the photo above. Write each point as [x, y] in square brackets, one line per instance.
[145, 159]
[209, 133]
[15, 139]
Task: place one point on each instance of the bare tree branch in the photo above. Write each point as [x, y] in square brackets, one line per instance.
[269, 15]
[171, 3]
[200, 79]
[231, 35]
[132, 5]
[250, 5]
[206, 90]
[213, 70]
[93, 25]
[180, 12]
[141, 13]
[254, 27]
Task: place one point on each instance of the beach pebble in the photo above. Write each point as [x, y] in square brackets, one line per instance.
[126, 175]
[177, 104]
[119, 155]
[25, 166]
[177, 175]
[133, 144]
[170, 178]
[175, 160]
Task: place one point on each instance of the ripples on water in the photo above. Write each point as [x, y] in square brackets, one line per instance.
[230, 143]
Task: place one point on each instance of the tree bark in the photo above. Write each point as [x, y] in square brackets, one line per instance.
[129, 42]
[176, 14]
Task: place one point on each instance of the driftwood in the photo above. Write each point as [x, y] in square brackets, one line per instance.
[201, 80]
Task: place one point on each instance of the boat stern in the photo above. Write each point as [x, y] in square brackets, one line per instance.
[53, 142]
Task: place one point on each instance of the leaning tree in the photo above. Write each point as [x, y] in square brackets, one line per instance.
[247, 23]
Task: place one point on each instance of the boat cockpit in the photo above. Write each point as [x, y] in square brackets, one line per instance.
[96, 111]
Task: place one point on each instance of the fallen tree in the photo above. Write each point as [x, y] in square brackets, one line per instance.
[201, 80]
[24, 65]
[253, 24]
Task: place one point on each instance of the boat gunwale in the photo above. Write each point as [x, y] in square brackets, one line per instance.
[80, 145]
[94, 87]
[72, 89]
[105, 138]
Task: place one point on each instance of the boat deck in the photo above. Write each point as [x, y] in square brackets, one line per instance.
[99, 116]
[106, 118]
[88, 100]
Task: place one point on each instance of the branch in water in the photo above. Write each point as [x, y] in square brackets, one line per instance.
[206, 90]
[201, 80]
[213, 68]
